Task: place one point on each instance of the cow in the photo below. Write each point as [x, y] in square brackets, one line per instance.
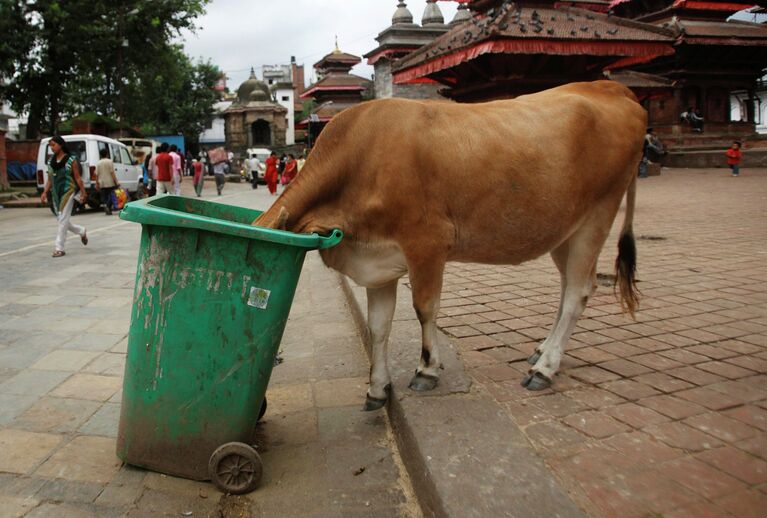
[415, 184]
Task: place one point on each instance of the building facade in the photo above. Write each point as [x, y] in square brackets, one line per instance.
[402, 38]
[215, 134]
[254, 119]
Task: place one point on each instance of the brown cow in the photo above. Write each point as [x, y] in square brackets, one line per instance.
[415, 184]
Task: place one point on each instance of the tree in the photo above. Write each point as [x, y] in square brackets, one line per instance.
[173, 95]
[79, 55]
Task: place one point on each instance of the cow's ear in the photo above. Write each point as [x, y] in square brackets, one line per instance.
[282, 219]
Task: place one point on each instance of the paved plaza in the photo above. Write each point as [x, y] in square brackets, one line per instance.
[665, 415]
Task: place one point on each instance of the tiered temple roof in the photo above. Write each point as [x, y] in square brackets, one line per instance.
[337, 88]
[526, 45]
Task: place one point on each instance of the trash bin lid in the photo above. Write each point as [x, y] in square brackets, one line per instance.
[182, 212]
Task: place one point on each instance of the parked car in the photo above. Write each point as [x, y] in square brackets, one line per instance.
[87, 149]
[261, 154]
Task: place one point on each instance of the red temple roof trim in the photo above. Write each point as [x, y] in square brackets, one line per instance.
[634, 60]
[711, 6]
[530, 46]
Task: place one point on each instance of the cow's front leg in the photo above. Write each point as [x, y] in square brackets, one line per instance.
[381, 304]
[426, 280]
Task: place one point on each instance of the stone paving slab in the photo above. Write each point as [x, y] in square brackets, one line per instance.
[60, 394]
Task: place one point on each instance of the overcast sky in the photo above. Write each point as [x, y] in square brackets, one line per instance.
[238, 34]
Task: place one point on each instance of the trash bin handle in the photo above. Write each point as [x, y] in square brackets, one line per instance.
[332, 240]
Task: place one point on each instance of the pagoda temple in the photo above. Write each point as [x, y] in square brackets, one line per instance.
[335, 90]
[713, 58]
[674, 54]
[509, 49]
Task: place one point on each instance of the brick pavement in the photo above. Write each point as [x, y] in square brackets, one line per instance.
[666, 414]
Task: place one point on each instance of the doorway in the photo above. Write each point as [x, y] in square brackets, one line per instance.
[262, 133]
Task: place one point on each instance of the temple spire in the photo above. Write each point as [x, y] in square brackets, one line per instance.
[432, 15]
[402, 14]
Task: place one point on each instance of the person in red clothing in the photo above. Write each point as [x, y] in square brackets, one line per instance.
[733, 158]
[291, 170]
[164, 163]
[198, 180]
[271, 173]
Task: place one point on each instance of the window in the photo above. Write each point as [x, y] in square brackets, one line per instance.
[76, 147]
[125, 156]
[116, 154]
[102, 146]
[285, 98]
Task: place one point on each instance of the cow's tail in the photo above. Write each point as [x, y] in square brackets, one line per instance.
[626, 262]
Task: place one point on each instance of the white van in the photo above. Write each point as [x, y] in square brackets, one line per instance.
[87, 149]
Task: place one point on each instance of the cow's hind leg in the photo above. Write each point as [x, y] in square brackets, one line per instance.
[426, 281]
[559, 255]
[579, 265]
[381, 304]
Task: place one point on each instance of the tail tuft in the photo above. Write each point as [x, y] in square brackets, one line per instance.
[625, 273]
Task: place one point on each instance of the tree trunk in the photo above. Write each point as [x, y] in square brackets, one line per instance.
[34, 119]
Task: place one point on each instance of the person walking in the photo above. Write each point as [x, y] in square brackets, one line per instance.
[198, 179]
[189, 161]
[164, 164]
[734, 156]
[64, 183]
[300, 163]
[291, 170]
[252, 166]
[219, 173]
[152, 166]
[106, 180]
[271, 173]
[176, 170]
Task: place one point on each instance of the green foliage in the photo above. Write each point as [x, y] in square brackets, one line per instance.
[113, 58]
[306, 108]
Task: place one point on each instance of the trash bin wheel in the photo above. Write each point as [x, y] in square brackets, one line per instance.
[235, 468]
[263, 410]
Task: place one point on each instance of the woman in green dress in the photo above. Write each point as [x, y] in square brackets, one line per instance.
[64, 184]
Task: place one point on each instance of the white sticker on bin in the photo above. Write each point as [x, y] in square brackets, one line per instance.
[259, 297]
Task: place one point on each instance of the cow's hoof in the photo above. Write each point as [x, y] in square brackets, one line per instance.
[423, 382]
[536, 381]
[374, 403]
[533, 358]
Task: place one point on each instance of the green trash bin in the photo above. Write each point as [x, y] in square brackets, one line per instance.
[212, 298]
